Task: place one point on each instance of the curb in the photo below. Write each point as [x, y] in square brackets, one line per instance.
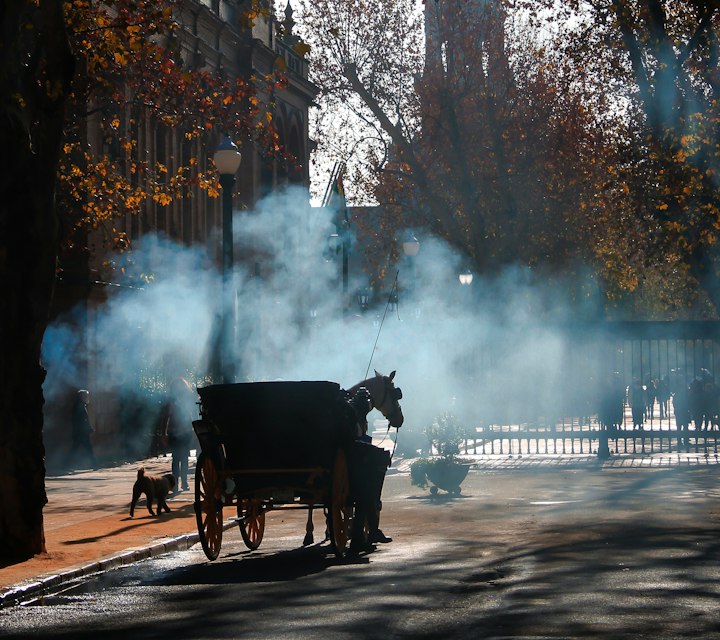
[20, 594]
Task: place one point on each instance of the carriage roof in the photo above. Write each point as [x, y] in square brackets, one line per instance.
[288, 418]
[268, 399]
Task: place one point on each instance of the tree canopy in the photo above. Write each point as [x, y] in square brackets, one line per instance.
[133, 68]
[659, 61]
[543, 134]
[487, 137]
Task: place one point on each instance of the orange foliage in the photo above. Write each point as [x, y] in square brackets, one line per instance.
[131, 72]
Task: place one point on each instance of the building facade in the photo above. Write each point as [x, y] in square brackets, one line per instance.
[214, 35]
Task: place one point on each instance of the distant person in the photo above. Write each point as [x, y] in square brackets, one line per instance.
[680, 395]
[611, 403]
[82, 448]
[637, 402]
[663, 396]
[703, 400]
[650, 397]
[176, 424]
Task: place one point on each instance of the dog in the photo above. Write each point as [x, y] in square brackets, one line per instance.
[154, 488]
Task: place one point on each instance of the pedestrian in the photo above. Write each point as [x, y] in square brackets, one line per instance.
[176, 425]
[611, 403]
[82, 449]
[637, 402]
[663, 396]
[697, 404]
[650, 397]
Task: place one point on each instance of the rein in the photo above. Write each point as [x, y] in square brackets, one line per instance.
[378, 404]
[387, 306]
[393, 290]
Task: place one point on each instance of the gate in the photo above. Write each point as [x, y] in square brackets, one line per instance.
[669, 368]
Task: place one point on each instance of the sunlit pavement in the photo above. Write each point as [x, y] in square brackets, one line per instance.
[533, 547]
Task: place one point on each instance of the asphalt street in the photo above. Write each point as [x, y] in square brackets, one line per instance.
[530, 549]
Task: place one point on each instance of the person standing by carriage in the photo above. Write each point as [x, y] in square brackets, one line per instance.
[367, 473]
[176, 425]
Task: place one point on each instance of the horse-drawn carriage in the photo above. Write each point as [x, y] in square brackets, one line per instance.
[272, 445]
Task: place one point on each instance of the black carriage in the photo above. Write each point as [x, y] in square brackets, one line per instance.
[270, 445]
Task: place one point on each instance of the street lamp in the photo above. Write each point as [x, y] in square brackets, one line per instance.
[410, 245]
[227, 160]
[393, 301]
[466, 278]
[363, 298]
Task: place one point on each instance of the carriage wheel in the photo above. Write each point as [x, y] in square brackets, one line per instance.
[339, 514]
[208, 506]
[252, 522]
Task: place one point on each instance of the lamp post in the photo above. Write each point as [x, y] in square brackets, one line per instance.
[466, 277]
[345, 258]
[411, 247]
[227, 160]
[338, 243]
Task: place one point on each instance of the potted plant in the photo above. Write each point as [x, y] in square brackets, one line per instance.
[445, 470]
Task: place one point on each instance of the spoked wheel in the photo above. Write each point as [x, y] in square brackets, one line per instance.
[339, 513]
[208, 506]
[251, 522]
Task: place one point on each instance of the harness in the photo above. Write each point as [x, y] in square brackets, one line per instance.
[387, 385]
[388, 390]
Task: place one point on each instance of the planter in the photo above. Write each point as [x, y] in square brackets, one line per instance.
[446, 474]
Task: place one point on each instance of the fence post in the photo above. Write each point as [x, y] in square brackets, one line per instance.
[603, 448]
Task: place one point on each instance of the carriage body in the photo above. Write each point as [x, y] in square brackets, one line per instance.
[267, 445]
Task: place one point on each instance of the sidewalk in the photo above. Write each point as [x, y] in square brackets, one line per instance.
[88, 527]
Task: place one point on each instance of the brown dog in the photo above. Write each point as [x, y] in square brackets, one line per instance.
[154, 488]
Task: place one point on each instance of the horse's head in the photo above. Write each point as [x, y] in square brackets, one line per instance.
[385, 396]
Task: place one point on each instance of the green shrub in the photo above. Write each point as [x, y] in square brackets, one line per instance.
[445, 435]
[418, 472]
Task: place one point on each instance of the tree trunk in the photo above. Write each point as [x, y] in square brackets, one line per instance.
[36, 69]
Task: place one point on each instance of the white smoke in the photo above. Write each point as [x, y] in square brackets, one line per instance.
[478, 351]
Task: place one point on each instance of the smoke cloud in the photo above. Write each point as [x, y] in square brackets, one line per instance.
[477, 351]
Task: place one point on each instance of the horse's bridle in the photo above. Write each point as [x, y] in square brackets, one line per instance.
[397, 392]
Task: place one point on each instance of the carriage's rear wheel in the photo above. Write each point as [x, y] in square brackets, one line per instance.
[339, 513]
[208, 506]
[251, 522]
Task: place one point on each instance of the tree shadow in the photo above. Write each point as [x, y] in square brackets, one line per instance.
[441, 497]
[590, 572]
[138, 522]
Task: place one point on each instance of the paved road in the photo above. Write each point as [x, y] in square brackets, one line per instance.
[573, 551]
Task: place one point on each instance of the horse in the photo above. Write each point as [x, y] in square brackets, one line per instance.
[383, 396]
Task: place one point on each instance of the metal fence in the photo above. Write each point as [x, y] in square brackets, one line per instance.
[629, 355]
